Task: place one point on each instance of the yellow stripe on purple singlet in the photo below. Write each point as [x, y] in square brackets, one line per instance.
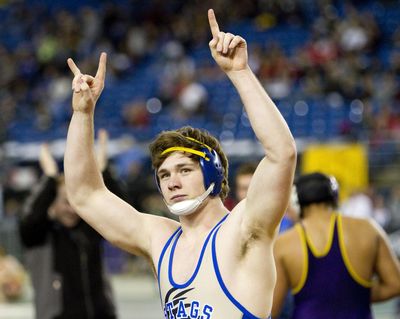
[304, 273]
[363, 282]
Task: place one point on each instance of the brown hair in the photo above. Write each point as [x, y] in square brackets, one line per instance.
[167, 139]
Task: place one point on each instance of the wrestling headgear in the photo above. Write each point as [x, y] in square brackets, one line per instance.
[210, 164]
[317, 188]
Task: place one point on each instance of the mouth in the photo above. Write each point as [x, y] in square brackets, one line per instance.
[178, 198]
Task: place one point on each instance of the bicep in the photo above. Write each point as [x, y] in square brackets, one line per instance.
[387, 265]
[117, 221]
[269, 193]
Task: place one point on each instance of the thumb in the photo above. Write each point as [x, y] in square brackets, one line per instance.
[86, 92]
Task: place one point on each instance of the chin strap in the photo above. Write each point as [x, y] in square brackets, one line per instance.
[189, 206]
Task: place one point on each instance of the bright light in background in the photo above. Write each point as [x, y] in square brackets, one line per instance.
[153, 105]
[230, 120]
[301, 108]
[335, 100]
[356, 111]
[227, 136]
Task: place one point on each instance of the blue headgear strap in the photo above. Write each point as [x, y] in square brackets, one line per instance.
[210, 164]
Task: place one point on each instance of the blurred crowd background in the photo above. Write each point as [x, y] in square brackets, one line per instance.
[331, 66]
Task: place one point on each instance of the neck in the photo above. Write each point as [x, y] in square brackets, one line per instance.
[318, 211]
[205, 218]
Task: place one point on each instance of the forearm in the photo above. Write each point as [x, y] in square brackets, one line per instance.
[386, 283]
[82, 175]
[269, 190]
[381, 291]
[268, 124]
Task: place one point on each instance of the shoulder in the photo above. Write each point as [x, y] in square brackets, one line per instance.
[161, 228]
[292, 233]
[364, 230]
[287, 241]
[160, 224]
[360, 223]
[288, 235]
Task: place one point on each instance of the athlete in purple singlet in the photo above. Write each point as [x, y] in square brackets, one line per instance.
[334, 265]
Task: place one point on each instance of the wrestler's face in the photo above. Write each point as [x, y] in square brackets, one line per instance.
[180, 178]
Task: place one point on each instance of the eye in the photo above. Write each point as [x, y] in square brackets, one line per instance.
[185, 170]
[163, 176]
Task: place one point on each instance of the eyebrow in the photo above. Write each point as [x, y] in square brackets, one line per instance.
[178, 166]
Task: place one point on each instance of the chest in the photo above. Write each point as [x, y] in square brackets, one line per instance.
[186, 259]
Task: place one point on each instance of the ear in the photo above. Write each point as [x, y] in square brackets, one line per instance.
[157, 181]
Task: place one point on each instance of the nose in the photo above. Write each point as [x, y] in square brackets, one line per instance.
[174, 182]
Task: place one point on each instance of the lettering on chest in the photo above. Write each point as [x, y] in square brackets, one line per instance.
[180, 308]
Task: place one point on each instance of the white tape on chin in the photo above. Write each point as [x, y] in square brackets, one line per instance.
[189, 206]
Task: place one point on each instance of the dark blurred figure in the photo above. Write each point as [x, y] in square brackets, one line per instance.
[64, 254]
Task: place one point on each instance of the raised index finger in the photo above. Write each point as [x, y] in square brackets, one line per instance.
[75, 70]
[101, 70]
[213, 23]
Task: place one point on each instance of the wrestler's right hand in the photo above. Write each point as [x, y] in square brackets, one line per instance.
[86, 88]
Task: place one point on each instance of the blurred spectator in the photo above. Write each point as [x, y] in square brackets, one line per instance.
[339, 49]
[135, 114]
[63, 253]
[192, 98]
[12, 278]
[381, 213]
[243, 175]
[133, 167]
[359, 204]
[275, 72]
